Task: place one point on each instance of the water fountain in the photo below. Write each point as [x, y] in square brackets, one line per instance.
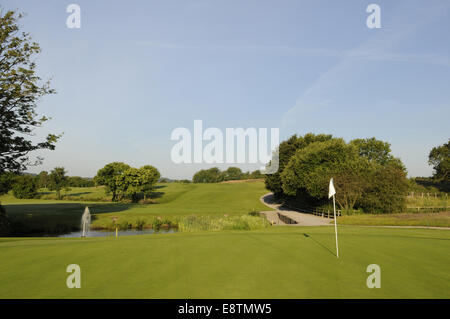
[85, 221]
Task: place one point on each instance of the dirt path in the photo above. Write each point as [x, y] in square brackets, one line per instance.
[302, 219]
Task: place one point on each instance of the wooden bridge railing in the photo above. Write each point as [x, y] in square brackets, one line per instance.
[326, 213]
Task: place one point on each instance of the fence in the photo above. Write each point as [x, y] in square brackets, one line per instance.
[322, 212]
[326, 213]
[428, 209]
[428, 195]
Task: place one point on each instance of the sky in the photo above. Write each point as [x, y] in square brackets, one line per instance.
[136, 70]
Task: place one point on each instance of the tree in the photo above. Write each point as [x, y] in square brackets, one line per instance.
[107, 176]
[128, 184]
[310, 169]
[373, 149]
[232, 173]
[123, 181]
[286, 150]
[439, 158]
[58, 180]
[372, 180]
[42, 179]
[20, 89]
[386, 190]
[6, 182]
[212, 175]
[149, 175]
[256, 174]
[25, 187]
[135, 181]
[77, 181]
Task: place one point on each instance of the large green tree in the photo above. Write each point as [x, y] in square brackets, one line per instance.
[123, 181]
[20, 90]
[149, 175]
[232, 173]
[365, 173]
[107, 176]
[310, 169]
[286, 150]
[439, 158]
[25, 187]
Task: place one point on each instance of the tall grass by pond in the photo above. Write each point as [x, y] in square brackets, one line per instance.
[191, 223]
[213, 223]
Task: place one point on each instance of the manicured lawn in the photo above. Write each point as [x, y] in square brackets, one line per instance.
[281, 262]
[171, 201]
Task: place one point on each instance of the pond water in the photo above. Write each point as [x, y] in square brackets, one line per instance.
[106, 233]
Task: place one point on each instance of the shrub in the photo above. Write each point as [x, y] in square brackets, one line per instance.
[25, 187]
[157, 223]
[139, 224]
[123, 224]
[386, 191]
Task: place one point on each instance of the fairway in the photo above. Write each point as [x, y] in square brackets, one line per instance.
[281, 262]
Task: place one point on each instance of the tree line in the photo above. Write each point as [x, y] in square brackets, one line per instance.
[215, 175]
[26, 186]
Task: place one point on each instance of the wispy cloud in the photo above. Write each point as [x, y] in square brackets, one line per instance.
[377, 48]
[359, 53]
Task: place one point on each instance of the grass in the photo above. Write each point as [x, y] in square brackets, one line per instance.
[280, 262]
[441, 219]
[427, 202]
[173, 202]
[422, 217]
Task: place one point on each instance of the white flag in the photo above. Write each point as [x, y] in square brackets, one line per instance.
[331, 190]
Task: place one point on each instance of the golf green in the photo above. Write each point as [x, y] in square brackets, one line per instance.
[280, 262]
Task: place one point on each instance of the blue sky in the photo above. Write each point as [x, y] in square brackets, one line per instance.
[136, 70]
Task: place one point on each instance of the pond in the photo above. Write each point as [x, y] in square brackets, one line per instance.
[107, 233]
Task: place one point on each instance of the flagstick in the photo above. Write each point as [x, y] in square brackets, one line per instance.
[335, 227]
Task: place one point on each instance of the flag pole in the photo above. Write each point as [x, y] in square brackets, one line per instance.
[335, 227]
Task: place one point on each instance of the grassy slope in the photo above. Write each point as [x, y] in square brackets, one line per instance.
[280, 262]
[172, 199]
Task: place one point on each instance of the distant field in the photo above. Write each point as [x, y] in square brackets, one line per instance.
[172, 200]
[280, 262]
